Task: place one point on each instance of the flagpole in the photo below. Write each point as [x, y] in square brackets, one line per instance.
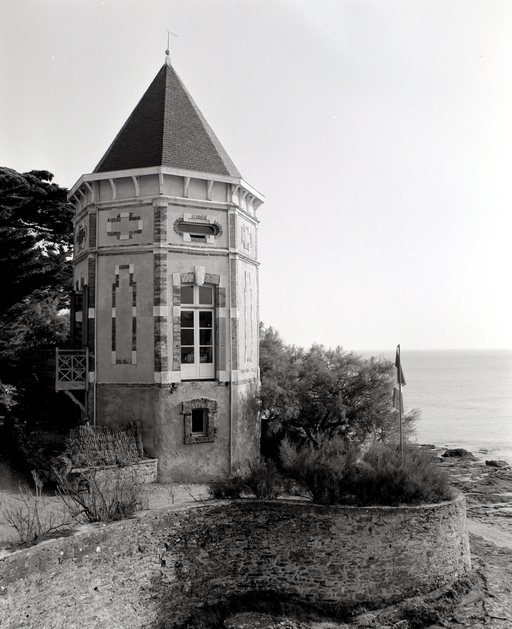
[399, 371]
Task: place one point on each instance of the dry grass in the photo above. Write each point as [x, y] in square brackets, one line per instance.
[31, 513]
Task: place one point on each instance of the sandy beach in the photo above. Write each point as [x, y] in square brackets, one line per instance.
[487, 603]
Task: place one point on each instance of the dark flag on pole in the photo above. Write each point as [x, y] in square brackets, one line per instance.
[398, 398]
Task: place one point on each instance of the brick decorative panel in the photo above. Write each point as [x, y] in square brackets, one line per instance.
[221, 298]
[160, 279]
[92, 230]
[176, 327]
[124, 226]
[160, 224]
[91, 297]
[124, 316]
[233, 283]
[160, 322]
[232, 231]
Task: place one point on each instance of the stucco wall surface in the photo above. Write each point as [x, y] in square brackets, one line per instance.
[162, 420]
[197, 462]
[162, 567]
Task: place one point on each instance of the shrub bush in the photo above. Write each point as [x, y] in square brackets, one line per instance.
[101, 497]
[336, 473]
[385, 477]
[263, 479]
[259, 478]
[325, 472]
[232, 487]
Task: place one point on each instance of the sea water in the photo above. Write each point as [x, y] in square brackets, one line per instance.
[465, 398]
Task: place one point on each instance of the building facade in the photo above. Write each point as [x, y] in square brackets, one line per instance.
[166, 288]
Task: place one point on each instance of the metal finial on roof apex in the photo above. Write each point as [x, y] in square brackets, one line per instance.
[168, 51]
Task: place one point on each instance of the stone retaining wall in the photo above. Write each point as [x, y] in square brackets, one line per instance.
[144, 471]
[162, 567]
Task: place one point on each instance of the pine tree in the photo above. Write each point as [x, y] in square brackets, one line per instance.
[36, 239]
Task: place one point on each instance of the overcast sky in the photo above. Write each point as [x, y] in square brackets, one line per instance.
[379, 131]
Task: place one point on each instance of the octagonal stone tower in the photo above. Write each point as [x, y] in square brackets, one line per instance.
[166, 288]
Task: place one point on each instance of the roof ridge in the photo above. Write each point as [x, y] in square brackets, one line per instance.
[228, 162]
[167, 128]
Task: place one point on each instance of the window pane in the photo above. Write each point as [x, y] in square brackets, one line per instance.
[205, 296]
[205, 337]
[197, 228]
[187, 336]
[187, 319]
[198, 420]
[205, 319]
[206, 354]
[187, 354]
[187, 294]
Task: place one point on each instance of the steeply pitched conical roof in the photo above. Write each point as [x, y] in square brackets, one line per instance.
[167, 129]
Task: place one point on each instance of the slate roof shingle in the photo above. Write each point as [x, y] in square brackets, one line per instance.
[167, 128]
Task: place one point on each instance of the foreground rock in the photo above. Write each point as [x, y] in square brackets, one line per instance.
[459, 453]
[502, 464]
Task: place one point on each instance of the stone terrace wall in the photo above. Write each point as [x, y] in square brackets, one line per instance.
[162, 567]
[143, 472]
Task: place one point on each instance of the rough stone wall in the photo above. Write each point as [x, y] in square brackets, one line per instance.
[162, 567]
[143, 472]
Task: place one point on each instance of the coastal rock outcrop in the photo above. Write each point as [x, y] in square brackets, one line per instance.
[502, 464]
[459, 453]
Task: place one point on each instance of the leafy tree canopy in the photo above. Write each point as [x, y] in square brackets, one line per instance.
[279, 372]
[324, 393]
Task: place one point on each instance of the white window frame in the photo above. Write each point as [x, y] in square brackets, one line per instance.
[198, 370]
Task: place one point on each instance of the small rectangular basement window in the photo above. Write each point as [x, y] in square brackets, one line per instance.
[199, 421]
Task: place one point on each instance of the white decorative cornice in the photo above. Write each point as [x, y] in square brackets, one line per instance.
[166, 170]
